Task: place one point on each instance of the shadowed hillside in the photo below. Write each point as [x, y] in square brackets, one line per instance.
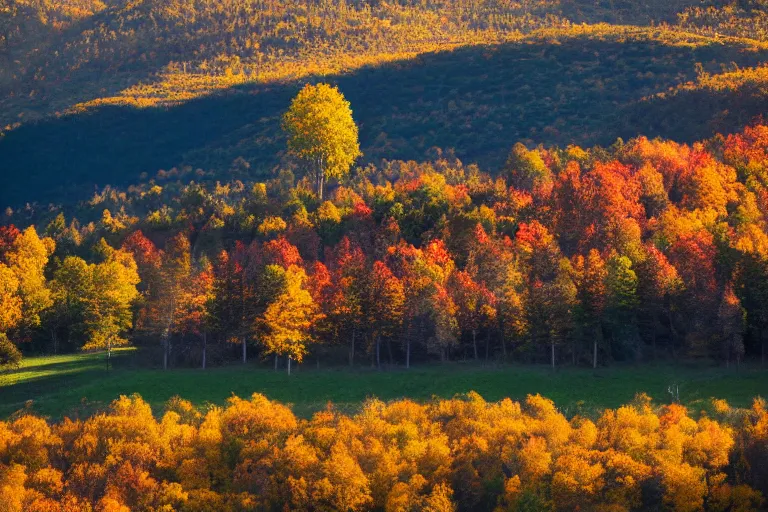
[478, 100]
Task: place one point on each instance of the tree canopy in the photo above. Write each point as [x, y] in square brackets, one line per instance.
[322, 133]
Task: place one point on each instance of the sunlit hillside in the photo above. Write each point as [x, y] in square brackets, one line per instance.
[59, 54]
[87, 86]
[583, 85]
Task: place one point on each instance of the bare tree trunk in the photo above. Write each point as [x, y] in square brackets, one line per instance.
[474, 342]
[594, 354]
[389, 350]
[352, 349]
[205, 348]
[109, 353]
[487, 344]
[289, 365]
[320, 178]
[244, 351]
[378, 352]
[673, 334]
[55, 339]
[552, 344]
[276, 356]
[408, 351]
[165, 350]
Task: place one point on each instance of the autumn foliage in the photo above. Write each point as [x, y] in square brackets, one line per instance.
[645, 250]
[458, 454]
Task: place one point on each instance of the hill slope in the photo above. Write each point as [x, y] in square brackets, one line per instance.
[585, 86]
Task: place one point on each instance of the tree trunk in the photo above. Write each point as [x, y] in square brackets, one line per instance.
[205, 348]
[276, 356]
[598, 339]
[408, 352]
[378, 352]
[352, 350]
[165, 351]
[474, 342]
[55, 339]
[672, 333]
[552, 344]
[244, 351]
[594, 354]
[289, 365]
[320, 178]
[109, 353]
[389, 350]
[487, 344]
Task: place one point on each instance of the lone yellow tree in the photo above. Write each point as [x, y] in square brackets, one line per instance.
[322, 133]
[289, 319]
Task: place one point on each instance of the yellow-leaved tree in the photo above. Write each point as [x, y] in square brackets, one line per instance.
[106, 292]
[290, 317]
[10, 315]
[322, 133]
[27, 259]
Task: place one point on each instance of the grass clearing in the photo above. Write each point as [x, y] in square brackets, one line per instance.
[76, 385]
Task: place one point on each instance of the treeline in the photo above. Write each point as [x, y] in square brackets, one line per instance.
[644, 250]
[447, 455]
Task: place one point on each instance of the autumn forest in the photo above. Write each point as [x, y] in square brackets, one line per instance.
[203, 192]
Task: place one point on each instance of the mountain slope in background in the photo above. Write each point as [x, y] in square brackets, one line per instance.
[96, 93]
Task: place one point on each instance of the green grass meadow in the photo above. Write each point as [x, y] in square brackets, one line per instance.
[77, 385]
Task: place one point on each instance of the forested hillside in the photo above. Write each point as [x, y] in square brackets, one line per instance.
[98, 93]
[646, 250]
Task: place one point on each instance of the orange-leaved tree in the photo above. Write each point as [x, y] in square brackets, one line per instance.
[290, 317]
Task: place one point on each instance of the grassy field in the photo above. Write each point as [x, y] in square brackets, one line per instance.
[75, 385]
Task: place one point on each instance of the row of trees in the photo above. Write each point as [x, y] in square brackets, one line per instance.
[93, 301]
[447, 455]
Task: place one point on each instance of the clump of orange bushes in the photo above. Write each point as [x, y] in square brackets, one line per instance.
[458, 454]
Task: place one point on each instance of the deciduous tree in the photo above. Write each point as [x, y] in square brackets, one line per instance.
[289, 319]
[322, 133]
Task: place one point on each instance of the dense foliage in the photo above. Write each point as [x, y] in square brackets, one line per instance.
[447, 455]
[647, 249]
